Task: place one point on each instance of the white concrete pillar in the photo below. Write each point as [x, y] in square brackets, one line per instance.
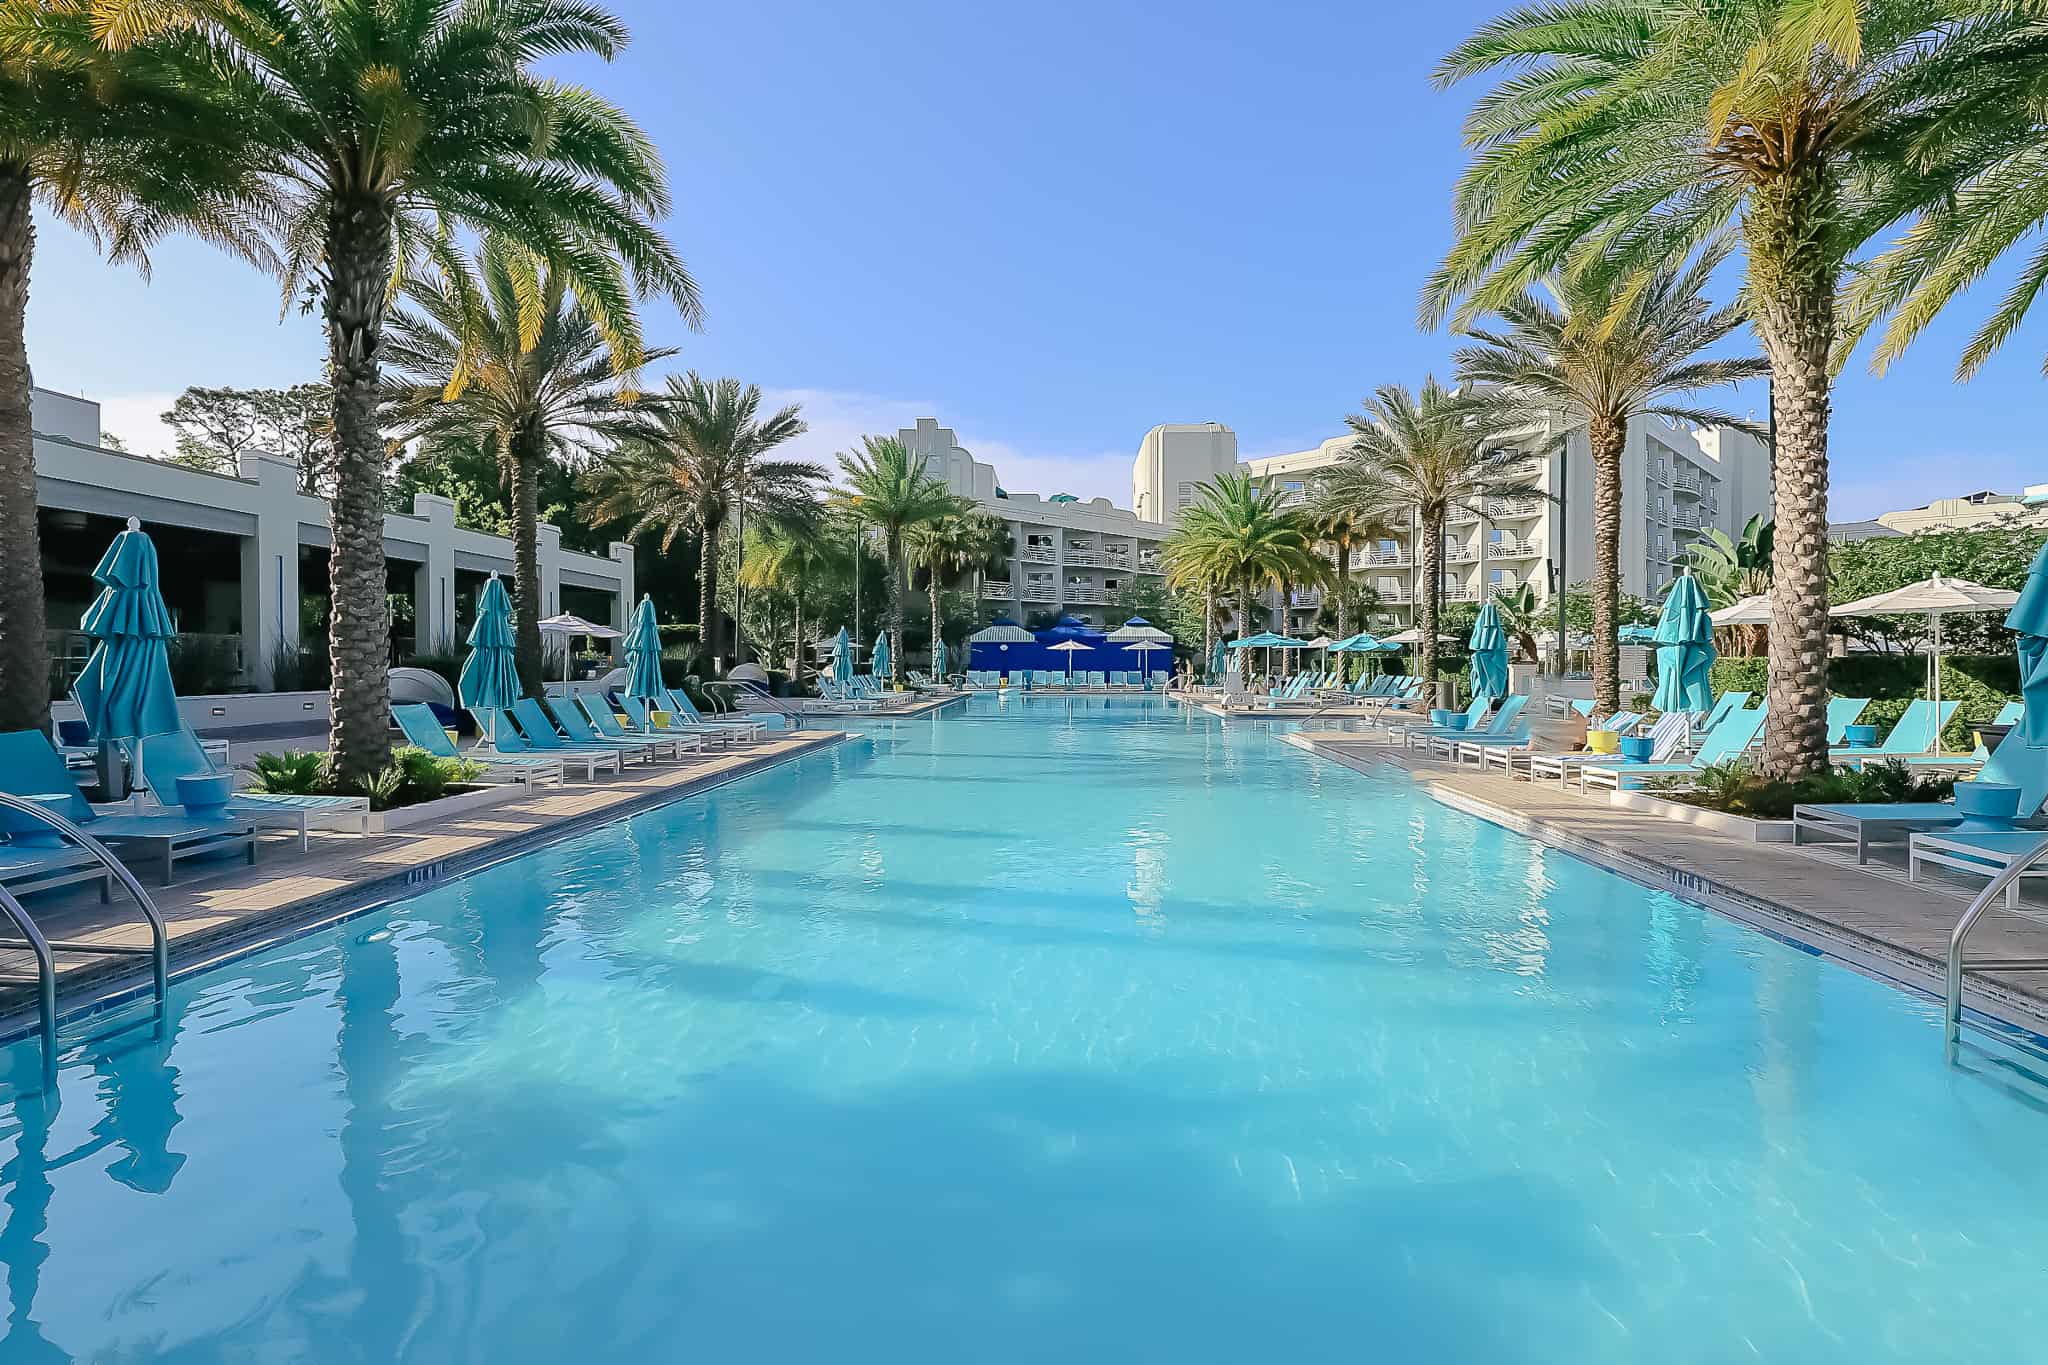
[433, 585]
[628, 597]
[270, 564]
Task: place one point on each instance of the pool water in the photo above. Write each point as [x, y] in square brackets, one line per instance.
[1038, 1030]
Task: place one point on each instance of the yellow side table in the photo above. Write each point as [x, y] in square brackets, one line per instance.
[1603, 742]
[660, 719]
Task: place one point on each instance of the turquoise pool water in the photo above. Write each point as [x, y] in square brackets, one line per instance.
[1039, 1031]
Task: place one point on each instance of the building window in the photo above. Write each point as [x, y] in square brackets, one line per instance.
[1036, 541]
[1187, 495]
[1110, 584]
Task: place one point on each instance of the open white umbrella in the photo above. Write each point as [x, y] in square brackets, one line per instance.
[1413, 636]
[569, 625]
[1069, 648]
[1145, 649]
[1750, 611]
[1936, 598]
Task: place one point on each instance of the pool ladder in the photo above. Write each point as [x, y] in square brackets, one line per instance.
[1958, 941]
[45, 949]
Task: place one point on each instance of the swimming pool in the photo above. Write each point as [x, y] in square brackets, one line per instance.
[1036, 1030]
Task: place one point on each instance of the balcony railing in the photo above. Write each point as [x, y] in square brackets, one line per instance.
[1381, 559]
[1034, 554]
[1510, 548]
[1082, 596]
[1041, 591]
[1514, 507]
[993, 591]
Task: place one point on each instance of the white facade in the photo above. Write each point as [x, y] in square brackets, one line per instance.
[1677, 482]
[2028, 507]
[1173, 460]
[270, 520]
[1067, 556]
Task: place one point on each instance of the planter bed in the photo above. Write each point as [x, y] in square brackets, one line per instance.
[452, 806]
[1720, 822]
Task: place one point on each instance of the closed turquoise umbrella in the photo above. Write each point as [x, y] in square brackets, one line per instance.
[490, 677]
[1487, 670]
[643, 653]
[1685, 650]
[1216, 660]
[842, 657]
[939, 660]
[126, 689]
[880, 663]
[2029, 617]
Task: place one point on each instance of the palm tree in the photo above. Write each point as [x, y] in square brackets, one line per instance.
[116, 146]
[503, 352]
[385, 124]
[1345, 528]
[687, 465]
[1427, 453]
[1630, 133]
[1240, 536]
[1596, 356]
[950, 546]
[794, 559]
[888, 491]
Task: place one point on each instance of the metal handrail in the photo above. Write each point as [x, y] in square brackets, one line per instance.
[1986, 901]
[46, 978]
[159, 951]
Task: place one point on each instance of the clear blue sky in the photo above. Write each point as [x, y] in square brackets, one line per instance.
[1050, 227]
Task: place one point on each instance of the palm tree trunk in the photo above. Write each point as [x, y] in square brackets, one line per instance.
[359, 633]
[526, 593]
[1244, 629]
[899, 588]
[796, 640]
[1343, 580]
[707, 590]
[1208, 625]
[24, 641]
[932, 587]
[1792, 281]
[1608, 439]
[1426, 608]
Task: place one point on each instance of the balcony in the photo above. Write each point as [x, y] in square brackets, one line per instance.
[1041, 590]
[1690, 481]
[992, 591]
[1524, 506]
[1078, 595]
[1459, 554]
[1511, 547]
[1304, 599]
[1381, 559]
[1689, 519]
[1036, 554]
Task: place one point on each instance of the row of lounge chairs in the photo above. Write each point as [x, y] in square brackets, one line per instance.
[532, 743]
[1734, 729]
[1131, 680]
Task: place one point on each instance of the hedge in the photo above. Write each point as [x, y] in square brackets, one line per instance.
[1981, 682]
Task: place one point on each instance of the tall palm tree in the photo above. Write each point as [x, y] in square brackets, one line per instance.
[1428, 453]
[1596, 356]
[502, 351]
[1241, 536]
[949, 546]
[1345, 527]
[694, 454]
[793, 559]
[118, 147]
[888, 491]
[384, 124]
[1630, 133]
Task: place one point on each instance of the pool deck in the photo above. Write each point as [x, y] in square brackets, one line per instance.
[1871, 917]
[224, 909]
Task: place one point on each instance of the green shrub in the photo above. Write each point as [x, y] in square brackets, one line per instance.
[295, 772]
[1738, 789]
[202, 664]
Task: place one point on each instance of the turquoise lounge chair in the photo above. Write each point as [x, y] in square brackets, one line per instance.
[1505, 725]
[539, 731]
[503, 736]
[1866, 823]
[1984, 853]
[25, 870]
[599, 712]
[422, 729]
[1475, 714]
[160, 760]
[576, 726]
[1512, 759]
[1842, 713]
[30, 767]
[1725, 743]
[641, 720]
[680, 705]
[1914, 737]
